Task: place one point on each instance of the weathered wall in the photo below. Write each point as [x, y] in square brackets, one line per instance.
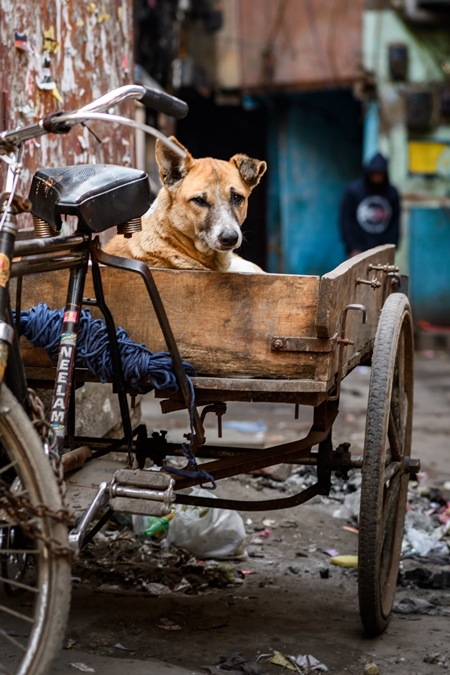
[419, 159]
[61, 54]
[289, 44]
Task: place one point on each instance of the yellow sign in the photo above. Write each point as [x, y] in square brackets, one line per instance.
[429, 157]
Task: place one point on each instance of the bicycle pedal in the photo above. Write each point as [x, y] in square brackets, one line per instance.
[147, 493]
[140, 507]
[152, 480]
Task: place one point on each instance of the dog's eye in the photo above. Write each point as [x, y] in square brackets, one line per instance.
[237, 199]
[200, 201]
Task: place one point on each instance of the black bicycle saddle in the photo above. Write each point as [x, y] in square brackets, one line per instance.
[100, 195]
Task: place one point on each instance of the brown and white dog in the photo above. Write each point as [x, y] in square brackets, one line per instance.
[195, 221]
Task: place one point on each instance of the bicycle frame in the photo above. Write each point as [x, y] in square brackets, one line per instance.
[74, 252]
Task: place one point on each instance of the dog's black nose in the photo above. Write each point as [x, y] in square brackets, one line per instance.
[228, 238]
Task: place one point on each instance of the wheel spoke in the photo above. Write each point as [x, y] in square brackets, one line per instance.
[391, 470]
[388, 527]
[19, 584]
[17, 615]
[16, 643]
[11, 465]
[395, 440]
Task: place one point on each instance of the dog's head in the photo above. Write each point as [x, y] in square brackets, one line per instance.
[208, 197]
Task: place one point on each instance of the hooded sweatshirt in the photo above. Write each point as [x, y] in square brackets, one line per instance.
[370, 212]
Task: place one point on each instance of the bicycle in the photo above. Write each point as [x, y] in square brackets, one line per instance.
[35, 550]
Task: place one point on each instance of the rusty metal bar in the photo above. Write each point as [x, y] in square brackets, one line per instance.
[303, 344]
[242, 505]
[138, 267]
[247, 462]
[70, 243]
[27, 267]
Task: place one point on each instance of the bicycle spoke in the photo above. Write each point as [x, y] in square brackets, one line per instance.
[26, 587]
[14, 551]
[8, 466]
[17, 615]
[16, 643]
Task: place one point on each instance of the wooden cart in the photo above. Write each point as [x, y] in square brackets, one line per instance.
[275, 338]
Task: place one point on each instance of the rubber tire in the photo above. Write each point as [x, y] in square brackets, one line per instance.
[381, 533]
[21, 443]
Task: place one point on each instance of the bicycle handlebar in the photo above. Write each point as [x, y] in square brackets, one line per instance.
[158, 100]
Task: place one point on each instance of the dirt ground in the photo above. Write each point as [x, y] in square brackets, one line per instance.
[139, 609]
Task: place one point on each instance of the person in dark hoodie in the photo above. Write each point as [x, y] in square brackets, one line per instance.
[370, 209]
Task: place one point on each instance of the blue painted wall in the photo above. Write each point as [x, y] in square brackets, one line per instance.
[429, 264]
[315, 148]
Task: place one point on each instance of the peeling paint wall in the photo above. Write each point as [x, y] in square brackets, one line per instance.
[60, 54]
[299, 45]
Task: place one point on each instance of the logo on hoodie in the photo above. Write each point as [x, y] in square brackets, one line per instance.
[374, 214]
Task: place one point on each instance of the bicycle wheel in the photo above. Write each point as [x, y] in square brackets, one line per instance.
[35, 572]
[385, 474]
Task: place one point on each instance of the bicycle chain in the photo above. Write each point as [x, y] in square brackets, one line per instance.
[22, 512]
[18, 506]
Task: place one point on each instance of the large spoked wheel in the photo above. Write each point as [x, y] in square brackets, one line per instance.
[385, 474]
[35, 573]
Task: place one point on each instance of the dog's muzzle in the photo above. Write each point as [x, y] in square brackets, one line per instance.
[228, 239]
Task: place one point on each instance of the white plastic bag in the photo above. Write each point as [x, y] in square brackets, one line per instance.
[207, 532]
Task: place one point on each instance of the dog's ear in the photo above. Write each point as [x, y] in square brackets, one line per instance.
[172, 167]
[251, 170]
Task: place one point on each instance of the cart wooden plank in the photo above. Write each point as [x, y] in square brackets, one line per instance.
[222, 322]
[234, 326]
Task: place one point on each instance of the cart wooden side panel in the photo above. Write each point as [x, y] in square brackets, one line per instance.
[222, 322]
[231, 325]
[344, 286]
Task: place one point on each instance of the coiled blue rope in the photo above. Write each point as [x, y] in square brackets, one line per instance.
[42, 326]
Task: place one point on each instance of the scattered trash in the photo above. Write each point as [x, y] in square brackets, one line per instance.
[422, 536]
[234, 665]
[371, 669]
[120, 646]
[419, 606]
[70, 644]
[244, 427]
[182, 586]
[438, 659]
[332, 552]
[222, 575]
[156, 589]
[425, 578]
[288, 523]
[265, 533]
[349, 509]
[268, 522]
[151, 526]
[350, 529]
[303, 663]
[345, 560]
[167, 624]
[83, 667]
[207, 532]
[324, 573]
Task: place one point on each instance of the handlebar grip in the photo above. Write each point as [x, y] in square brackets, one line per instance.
[165, 103]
